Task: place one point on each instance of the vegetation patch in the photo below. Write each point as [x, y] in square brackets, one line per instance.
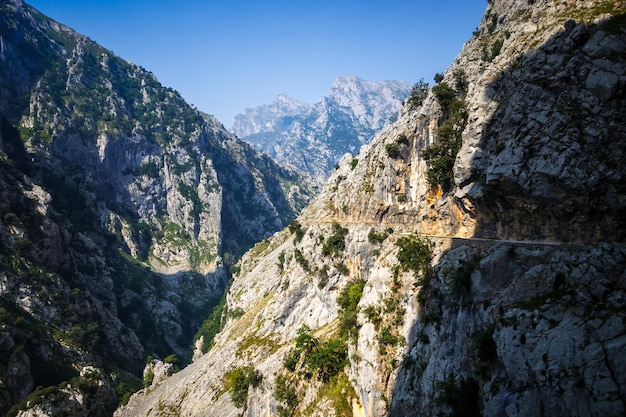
[485, 347]
[268, 345]
[314, 357]
[128, 385]
[259, 248]
[296, 229]
[335, 244]
[460, 277]
[212, 325]
[415, 254]
[285, 393]
[378, 237]
[442, 154]
[419, 92]
[348, 301]
[458, 398]
[173, 234]
[149, 169]
[239, 382]
[392, 150]
[281, 261]
[301, 260]
[340, 392]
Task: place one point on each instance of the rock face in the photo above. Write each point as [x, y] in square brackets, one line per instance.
[314, 137]
[122, 209]
[436, 276]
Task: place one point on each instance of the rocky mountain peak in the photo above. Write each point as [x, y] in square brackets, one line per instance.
[368, 99]
[313, 138]
[268, 117]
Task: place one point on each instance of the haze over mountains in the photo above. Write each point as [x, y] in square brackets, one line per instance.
[314, 137]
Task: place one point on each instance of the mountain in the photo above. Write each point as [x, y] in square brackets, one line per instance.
[313, 138]
[122, 210]
[472, 262]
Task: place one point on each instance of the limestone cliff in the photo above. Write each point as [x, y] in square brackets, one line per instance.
[469, 261]
[122, 209]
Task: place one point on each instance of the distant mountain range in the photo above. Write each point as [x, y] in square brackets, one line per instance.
[314, 137]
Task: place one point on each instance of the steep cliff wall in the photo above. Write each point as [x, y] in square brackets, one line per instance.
[469, 261]
[122, 208]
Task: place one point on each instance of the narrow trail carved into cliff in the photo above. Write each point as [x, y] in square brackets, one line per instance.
[455, 238]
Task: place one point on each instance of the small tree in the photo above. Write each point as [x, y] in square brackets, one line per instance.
[296, 228]
[419, 92]
[240, 380]
[335, 244]
[415, 254]
[348, 301]
[445, 94]
[392, 150]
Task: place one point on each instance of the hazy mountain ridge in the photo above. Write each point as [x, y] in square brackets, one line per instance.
[314, 137]
[122, 209]
[487, 282]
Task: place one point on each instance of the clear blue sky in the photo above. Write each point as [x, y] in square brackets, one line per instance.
[224, 56]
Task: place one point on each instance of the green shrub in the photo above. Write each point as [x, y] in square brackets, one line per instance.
[338, 181]
[490, 53]
[419, 92]
[392, 150]
[461, 82]
[445, 94]
[240, 380]
[415, 254]
[377, 237]
[281, 261]
[173, 359]
[348, 301]
[354, 163]
[328, 359]
[149, 169]
[292, 359]
[322, 358]
[128, 386]
[335, 244]
[460, 278]
[305, 343]
[485, 346]
[148, 378]
[286, 394]
[296, 228]
[442, 154]
[386, 337]
[212, 325]
[236, 313]
[402, 140]
[323, 276]
[342, 268]
[373, 315]
[301, 260]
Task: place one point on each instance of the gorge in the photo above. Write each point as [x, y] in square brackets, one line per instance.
[468, 260]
